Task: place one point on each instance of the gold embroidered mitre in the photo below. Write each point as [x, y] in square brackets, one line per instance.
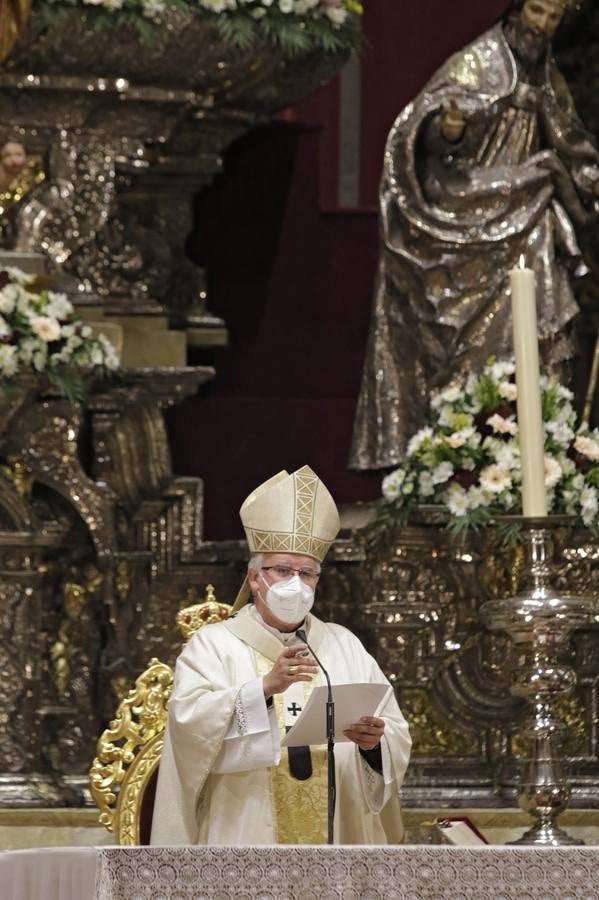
[289, 514]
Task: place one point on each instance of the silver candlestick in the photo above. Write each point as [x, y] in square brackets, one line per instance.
[540, 621]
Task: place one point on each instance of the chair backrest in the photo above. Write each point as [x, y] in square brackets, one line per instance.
[124, 773]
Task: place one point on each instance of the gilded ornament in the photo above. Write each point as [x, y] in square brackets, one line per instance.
[433, 734]
[120, 770]
[13, 18]
[18, 474]
[193, 617]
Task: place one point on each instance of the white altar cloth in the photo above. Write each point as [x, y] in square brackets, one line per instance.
[62, 873]
[301, 873]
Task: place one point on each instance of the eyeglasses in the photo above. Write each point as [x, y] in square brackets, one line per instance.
[309, 575]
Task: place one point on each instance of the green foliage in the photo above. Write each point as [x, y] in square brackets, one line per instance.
[236, 31]
[461, 527]
[291, 34]
[68, 384]
[488, 392]
[510, 532]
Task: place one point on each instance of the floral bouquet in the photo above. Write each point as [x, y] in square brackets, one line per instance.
[39, 334]
[295, 26]
[468, 458]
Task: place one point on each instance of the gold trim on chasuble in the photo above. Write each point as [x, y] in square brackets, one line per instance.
[300, 806]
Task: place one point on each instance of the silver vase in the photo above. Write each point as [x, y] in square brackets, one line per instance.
[540, 621]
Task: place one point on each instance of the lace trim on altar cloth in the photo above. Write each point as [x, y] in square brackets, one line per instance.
[351, 873]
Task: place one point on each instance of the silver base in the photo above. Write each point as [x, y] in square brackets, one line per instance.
[547, 835]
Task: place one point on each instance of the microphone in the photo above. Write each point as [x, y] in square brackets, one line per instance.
[330, 725]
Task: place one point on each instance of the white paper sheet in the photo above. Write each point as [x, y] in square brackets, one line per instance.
[352, 701]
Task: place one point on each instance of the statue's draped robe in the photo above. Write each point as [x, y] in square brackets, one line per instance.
[455, 218]
[218, 772]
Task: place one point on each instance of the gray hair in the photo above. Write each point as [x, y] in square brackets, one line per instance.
[256, 562]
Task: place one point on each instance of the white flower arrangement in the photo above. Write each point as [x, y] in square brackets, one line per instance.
[40, 334]
[468, 459]
[295, 26]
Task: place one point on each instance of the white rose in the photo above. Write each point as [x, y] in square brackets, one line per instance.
[417, 440]
[286, 6]
[461, 437]
[96, 356]
[46, 328]
[392, 484]
[589, 503]
[27, 348]
[452, 393]
[457, 500]
[564, 393]
[111, 359]
[560, 432]
[8, 298]
[25, 302]
[587, 446]
[59, 306]
[476, 497]
[442, 473]
[18, 275]
[39, 360]
[426, 488]
[9, 362]
[336, 14]
[506, 455]
[508, 390]
[501, 425]
[495, 479]
[553, 472]
[500, 370]
[216, 6]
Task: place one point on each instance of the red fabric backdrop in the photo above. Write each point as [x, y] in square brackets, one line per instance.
[405, 43]
[294, 283]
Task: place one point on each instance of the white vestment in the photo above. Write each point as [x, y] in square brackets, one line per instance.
[221, 741]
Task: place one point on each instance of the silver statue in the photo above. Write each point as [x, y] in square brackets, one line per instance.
[490, 163]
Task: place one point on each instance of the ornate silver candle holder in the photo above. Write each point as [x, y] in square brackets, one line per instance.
[540, 621]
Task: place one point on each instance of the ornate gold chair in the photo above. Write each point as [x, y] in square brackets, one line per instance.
[124, 773]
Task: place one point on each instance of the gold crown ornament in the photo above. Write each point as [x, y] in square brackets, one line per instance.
[289, 513]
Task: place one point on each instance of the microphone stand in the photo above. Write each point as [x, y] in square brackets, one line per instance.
[332, 784]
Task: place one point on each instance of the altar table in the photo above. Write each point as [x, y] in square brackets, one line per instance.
[301, 873]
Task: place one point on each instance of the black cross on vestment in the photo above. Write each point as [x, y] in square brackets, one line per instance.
[294, 709]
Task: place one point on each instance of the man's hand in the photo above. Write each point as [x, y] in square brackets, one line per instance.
[453, 123]
[366, 733]
[289, 669]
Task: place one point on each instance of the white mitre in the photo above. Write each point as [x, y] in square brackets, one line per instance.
[289, 514]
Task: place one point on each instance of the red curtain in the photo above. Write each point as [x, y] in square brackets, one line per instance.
[405, 43]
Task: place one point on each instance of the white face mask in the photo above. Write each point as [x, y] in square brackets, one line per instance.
[290, 601]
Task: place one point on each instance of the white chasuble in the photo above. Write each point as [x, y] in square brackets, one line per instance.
[223, 778]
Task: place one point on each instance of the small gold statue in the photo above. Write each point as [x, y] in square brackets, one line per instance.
[19, 174]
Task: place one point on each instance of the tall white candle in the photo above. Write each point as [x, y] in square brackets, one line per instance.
[530, 417]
